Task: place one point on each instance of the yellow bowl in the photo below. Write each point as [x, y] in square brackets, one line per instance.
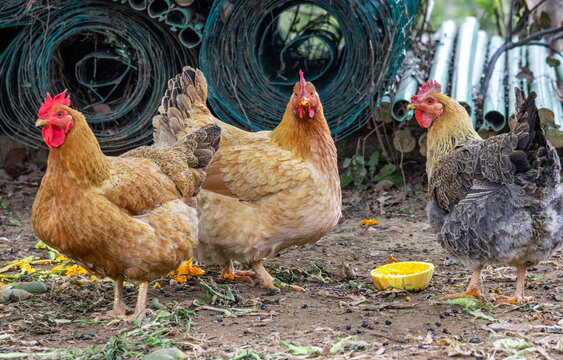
[410, 276]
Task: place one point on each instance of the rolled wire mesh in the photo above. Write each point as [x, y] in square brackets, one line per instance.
[114, 61]
[252, 51]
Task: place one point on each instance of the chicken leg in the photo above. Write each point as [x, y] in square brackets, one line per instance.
[518, 297]
[472, 289]
[119, 308]
[266, 281]
[229, 272]
[140, 312]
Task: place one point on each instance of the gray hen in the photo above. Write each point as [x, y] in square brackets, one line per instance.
[497, 200]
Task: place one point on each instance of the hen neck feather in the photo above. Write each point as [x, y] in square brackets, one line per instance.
[451, 129]
[80, 156]
[308, 139]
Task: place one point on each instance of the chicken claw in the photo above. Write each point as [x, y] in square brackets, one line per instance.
[472, 289]
[266, 281]
[230, 273]
[518, 297]
[119, 308]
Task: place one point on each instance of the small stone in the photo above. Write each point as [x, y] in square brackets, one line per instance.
[387, 322]
[438, 323]
[348, 327]
[475, 340]
[385, 343]
[445, 330]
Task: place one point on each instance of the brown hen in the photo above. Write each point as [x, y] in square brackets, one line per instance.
[120, 217]
[265, 191]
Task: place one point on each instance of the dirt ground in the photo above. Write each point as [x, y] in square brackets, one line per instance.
[341, 315]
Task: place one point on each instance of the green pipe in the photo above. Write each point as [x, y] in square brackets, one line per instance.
[464, 57]
[478, 66]
[159, 9]
[556, 103]
[542, 83]
[494, 106]
[190, 36]
[445, 39]
[138, 4]
[513, 64]
[407, 88]
[177, 18]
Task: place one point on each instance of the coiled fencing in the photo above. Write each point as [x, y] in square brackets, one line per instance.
[351, 50]
[115, 71]
[115, 58]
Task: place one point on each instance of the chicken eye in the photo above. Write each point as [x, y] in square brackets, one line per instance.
[429, 101]
[60, 114]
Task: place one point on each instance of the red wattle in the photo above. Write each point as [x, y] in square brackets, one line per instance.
[54, 137]
[311, 112]
[300, 112]
[423, 119]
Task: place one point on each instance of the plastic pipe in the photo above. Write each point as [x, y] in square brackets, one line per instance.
[178, 18]
[159, 9]
[513, 63]
[542, 82]
[407, 88]
[445, 39]
[463, 63]
[138, 4]
[478, 66]
[494, 106]
[190, 36]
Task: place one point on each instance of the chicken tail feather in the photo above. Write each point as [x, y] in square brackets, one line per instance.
[185, 96]
[534, 154]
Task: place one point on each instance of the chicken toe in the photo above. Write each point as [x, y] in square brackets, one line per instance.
[518, 297]
[266, 281]
[472, 289]
[119, 309]
[229, 272]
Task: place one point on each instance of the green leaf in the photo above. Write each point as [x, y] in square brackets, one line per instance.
[300, 350]
[552, 62]
[346, 180]
[387, 170]
[373, 161]
[3, 205]
[13, 222]
[40, 245]
[346, 162]
[545, 20]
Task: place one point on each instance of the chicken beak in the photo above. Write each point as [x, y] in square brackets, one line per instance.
[41, 122]
[411, 106]
[305, 101]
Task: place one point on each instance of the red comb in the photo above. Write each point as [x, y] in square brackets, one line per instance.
[427, 88]
[49, 102]
[302, 81]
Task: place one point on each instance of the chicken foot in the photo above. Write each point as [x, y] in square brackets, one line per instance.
[472, 289]
[266, 281]
[229, 272]
[518, 297]
[119, 308]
